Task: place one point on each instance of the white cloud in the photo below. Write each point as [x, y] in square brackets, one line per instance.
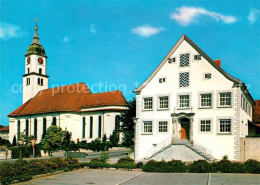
[93, 28]
[186, 15]
[146, 30]
[66, 39]
[253, 16]
[8, 31]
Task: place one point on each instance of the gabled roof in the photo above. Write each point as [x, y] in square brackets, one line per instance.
[184, 37]
[70, 98]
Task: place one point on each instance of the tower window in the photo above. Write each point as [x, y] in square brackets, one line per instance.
[27, 81]
[40, 71]
[39, 81]
[28, 70]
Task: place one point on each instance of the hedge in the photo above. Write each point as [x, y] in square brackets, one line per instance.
[27, 151]
[202, 166]
[24, 170]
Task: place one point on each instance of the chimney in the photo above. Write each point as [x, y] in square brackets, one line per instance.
[218, 62]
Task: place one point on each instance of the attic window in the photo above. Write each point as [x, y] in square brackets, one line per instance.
[197, 57]
[171, 60]
[207, 76]
[162, 80]
[185, 60]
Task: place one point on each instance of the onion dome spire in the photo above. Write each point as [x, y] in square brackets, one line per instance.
[36, 47]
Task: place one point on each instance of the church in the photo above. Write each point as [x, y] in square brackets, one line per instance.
[73, 107]
[190, 108]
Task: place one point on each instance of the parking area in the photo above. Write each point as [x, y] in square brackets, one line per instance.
[123, 177]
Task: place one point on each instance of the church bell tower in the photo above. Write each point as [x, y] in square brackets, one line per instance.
[35, 78]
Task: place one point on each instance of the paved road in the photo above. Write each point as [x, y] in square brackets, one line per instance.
[121, 177]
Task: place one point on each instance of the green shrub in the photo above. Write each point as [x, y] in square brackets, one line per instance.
[27, 151]
[200, 166]
[140, 165]
[162, 166]
[23, 170]
[252, 166]
[126, 160]
[95, 145]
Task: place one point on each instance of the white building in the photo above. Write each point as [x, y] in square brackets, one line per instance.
[191, 106]
[73, 107]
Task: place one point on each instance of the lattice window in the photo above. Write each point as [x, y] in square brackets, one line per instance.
[184, 60]
[163, 126]
[184, 101]
[148, 103]
[171, 60]
[225, 126]
[205, 125]
[164, 102]
[197, 57]
[205, 100]
[148, 127]
[225, 99]
[207, 76]
[184, 79]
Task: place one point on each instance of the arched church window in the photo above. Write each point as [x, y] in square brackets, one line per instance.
[18, 130]
[83, 127]
[117, 124]
[35, 128]
[54, 121]
[27, 128]
[44, 126]
[91, 127]
[99, 126]
[40, 71]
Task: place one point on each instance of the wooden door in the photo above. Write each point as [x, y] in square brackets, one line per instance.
[183, 132]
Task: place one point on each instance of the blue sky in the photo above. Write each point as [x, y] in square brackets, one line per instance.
[122, 42]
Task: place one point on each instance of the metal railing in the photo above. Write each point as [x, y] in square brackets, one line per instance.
[166, 142]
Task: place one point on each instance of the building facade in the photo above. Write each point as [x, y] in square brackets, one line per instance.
[190, 97]
[73, 107]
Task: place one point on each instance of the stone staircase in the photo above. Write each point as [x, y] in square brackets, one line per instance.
[182, 150]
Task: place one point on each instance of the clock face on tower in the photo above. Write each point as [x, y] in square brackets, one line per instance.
[28, 60]
[40, 60]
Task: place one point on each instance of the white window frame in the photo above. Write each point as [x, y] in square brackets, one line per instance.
[144, 103]
[158, 126]
[205, 93]
[225, 119]
[231, 99]
[162, 96]
[178, 100]
[211, 125]
[143, 130]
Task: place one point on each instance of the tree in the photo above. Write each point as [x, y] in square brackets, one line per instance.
[104, 139]
[114, 138]
[127, 126]
[52, 141]
[67, 144]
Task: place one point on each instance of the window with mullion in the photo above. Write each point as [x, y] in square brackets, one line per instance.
[205, 126]
[148, 103]
[184, 101]
[205, 100]
[164, 102]
[225, 99]
[225, 126]
[163, 126]
[148, 126]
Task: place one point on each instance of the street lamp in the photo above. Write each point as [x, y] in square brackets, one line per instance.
[135, 121]
[33, 141]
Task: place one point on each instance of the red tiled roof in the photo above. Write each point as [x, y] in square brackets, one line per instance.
[4, 129]
[256, 114]
[70, 98]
